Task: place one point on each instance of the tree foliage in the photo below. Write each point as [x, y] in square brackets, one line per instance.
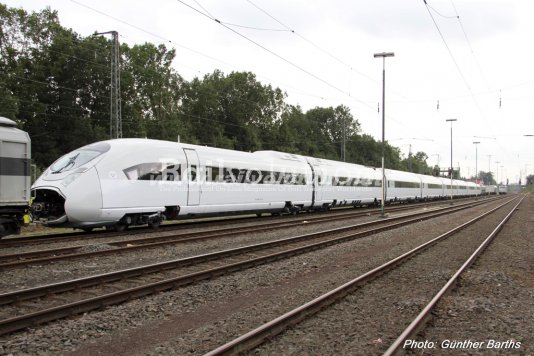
[486, 177]
[56, 85]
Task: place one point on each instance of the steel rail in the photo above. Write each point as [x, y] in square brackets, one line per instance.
[72, 236]
[276, 326]
[23, 321]
[50, 255]
[337, 215]
[13, 241]
[419, 321]
[186, 223]
[29, 293]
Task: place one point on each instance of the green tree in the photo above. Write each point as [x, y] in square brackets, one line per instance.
[487, 178]
[56, 84]
[151, 93]
[416, 163]
[234, 111]
[41, 69]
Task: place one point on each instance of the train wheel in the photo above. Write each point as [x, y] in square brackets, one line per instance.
[87, 229]
[121, 227]
[117, 227]
[154, 223]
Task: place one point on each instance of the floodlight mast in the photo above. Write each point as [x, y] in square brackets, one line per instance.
[476, 163]
[452, 169]
[383, 55]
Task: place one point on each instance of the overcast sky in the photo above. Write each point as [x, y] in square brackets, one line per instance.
[480, 69]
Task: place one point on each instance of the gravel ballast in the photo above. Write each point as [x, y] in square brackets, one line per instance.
[200, 317]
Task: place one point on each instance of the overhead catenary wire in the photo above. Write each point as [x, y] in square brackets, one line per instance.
[300, 68]
[328, 53]
[162, 38]
[448, 48]
[307, 40]
[152, 33]
[470, 47]
[165, 40]
[440, 14]
[477, 105]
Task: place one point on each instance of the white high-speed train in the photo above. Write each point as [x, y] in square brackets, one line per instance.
[124, 182]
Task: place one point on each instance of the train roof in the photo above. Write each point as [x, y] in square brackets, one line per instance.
[401, 175]
[281, 155]
[4, 121]
[9, 131]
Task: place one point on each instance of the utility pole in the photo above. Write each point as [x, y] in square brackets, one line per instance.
[115, 119]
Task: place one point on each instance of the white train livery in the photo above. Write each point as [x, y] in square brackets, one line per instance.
[118, 183]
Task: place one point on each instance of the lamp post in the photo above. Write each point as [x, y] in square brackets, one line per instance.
[451, 121]
[476, 162]
[497, 176]
[489, 169]
[383, 55]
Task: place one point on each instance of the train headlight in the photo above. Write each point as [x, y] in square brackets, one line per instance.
[69, 179]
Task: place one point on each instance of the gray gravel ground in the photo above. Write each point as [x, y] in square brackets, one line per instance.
[494, 303]
[198, 318]
[35, 275]
[370, 319]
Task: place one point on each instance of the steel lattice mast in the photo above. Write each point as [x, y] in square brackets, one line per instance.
[115, 119]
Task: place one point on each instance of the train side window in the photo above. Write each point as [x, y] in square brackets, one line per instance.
[154, 171]
[193, 171]
[173, 172]
[253, 176]
[216, 174]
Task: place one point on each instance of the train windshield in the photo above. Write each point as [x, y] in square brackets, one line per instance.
[79, 157]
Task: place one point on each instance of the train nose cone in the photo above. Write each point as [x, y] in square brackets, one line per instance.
[84, 198]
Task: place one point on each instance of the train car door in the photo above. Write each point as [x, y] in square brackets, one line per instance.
[193, 177]
[317, 181]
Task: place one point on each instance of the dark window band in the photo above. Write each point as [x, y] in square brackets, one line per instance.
[14, 166]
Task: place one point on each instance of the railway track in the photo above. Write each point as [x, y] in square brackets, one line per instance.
[24, 308]
[83, 251]
[17, 241]
[307, 311]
